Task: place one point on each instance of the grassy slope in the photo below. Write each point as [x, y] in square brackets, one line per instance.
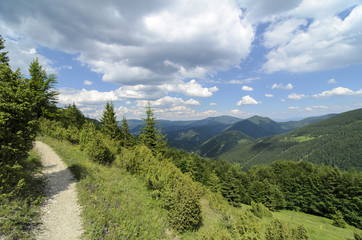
[116, 205]
[335, 141]
[19, 211]
[222, 143]
[128, 209]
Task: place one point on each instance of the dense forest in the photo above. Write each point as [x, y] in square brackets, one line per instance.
[335, 142]
[183, 186]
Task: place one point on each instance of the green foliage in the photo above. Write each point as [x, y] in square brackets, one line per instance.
[87, 133]
[259, 210]
[178, 193]
[335, 142]
[110, 123]
[17, 118]
[21, 195]
[98, 151]
[358, 235]
[127, 139]
[42, 84]
[71, 116]
[338, 220]
[150, 136]
[279, 230]
[115, 204]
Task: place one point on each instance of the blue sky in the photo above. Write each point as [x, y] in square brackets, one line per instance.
[193, 59]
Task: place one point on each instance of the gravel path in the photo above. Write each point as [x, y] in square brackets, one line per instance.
[60, 213]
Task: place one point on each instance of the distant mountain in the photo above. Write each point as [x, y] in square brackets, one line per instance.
[188, 135]
[336, 141]
[290, 125]
[257, 127]
[222, 143]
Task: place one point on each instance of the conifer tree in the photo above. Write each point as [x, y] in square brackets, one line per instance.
[150, 136]
[110, 123]
[41, 85]
[17, 119]
[127, 136]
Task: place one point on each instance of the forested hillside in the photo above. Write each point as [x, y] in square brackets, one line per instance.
[335, 142]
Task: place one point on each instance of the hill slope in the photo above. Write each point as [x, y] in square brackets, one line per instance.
[336, 141]
[222, 143]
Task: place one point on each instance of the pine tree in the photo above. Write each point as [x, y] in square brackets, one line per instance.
[127, 136]
[110, 123]
[71, 116]
[150, 136]
[17, 118]
[41, 84]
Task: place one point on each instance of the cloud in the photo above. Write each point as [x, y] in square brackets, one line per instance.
[296, 96]
[294, 108]
[312, 108]
[192, 102]
[281, 86]
[84, 97]
[332, 81]
[239, 113]
[87, 82]
[174, 108]
[307, 39]
[247, 100]
[192, 88]
[212, 104]
[269, 95]
[243, 81]
[246, 88]
[137, 42]
[339, 91]
[23, 52]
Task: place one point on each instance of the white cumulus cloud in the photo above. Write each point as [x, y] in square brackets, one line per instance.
[289, 86]
[247, 88]
[337, 91]
[247, 100]
[296, 96]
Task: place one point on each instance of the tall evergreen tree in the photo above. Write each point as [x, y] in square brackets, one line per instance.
[72, 116]
[127, 136]
[150, 136]
[110, 123]
[17, 118]
[42, 84]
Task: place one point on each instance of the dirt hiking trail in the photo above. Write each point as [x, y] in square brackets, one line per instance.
[61, 212]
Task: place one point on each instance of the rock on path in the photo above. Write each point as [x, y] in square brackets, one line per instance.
[61, 212]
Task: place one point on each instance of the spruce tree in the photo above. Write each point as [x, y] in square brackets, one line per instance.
[110, 123]
[127, 136]
[17, 118]
[41, 85]
[150, 136]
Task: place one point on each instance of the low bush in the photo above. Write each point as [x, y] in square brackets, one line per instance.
[259, 210]
[98, 151]
[279, 230]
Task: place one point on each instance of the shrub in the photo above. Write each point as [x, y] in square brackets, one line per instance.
[259, 210]
[358, 235]
[98, 151]
[87, 133]
[177, 192]
[338, 220]
[279, 230]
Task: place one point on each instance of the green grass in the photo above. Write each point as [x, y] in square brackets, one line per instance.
[118, 205]
[20, 205]
[115, 204]
[318, 228]
[298, 139]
